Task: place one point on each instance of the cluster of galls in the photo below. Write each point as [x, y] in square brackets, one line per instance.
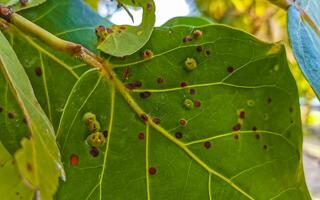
[102, 32]
[96, 138]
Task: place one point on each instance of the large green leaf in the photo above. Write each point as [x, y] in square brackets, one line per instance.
[241, 140]
[51, 73]
[304, 34]
[126, 40]
[39, 155]
[11, 185]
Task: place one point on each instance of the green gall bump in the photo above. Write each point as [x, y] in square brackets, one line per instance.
[251, 103]
[96, 139]
[190, 64]
[188, 104]
[197, 34]
[89, 117]
[94, 126]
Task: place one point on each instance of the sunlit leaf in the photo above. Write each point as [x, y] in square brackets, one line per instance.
[126, 40]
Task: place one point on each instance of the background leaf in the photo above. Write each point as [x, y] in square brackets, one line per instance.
[39, 156]
[241, 140]
[126, 40]
[19, 5]
[305, 40]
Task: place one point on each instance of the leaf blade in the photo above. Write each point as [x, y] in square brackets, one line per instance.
[31, 165]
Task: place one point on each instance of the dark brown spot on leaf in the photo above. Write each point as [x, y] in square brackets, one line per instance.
[74, 159]
[257, 135]
[38, 71]
[133, 85]
[178, 135]
[269, 100]
[152, 170]
[236, 136]
[236, 127]
[125, 75]
[197, 34]
[23, 2]
[105, 133]
[265, 147]
[242, 115]
[207, 145]
[291, 109]
[183, 122]
[141, 136]
[109, 30]
[12, 115]
[29, 167]
[187, 39]
[183, 84]
[1, 109]
[147, 54]
[145, 95]
[156, 120]
[149, 6]
[192, 91]
[254, 128]
[199, 48]
[144, 117]
[197, 103]
[230, 69]
[208, 52]
[94, 151]
[160, 80]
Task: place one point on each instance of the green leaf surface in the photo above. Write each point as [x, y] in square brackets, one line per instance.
[11, 185]
[39, 155]
[304, 34]
[18, 5]
[241, 139]
[126, 40]
[53, 74]
[188, 21]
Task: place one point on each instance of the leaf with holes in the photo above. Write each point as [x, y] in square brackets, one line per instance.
[39, 155]
[53, 74]
[304, 34]
[126, 40]
[211, 113]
